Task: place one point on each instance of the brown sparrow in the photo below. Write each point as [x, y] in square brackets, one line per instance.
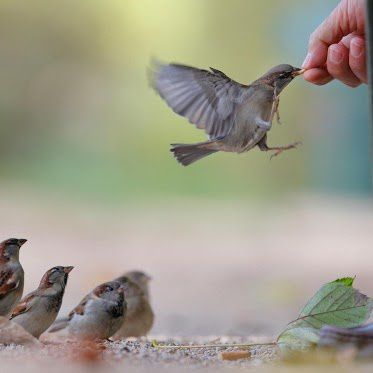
[141, 279]
[98, 316]
[236, 117]
[140, 317]
[11, 275]
[37, 311]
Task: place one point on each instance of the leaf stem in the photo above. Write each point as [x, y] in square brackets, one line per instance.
[247, 345]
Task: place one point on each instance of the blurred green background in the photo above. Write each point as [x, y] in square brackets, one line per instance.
[78, 119]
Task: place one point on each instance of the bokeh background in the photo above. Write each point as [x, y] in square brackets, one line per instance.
[235, 243]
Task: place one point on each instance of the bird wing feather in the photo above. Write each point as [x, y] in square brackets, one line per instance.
[8, 281]
[64, 322]
[207, 98]
[24, 305]
[80, 308]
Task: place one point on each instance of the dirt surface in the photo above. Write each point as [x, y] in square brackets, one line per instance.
[142, 356]
[218, 268]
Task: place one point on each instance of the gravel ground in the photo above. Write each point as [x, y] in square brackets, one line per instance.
[142, 356]
[140, 352]
[136, 354]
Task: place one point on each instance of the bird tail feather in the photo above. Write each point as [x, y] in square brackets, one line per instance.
[189, 153]
[59, 324]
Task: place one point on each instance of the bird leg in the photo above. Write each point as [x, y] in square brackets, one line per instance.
[278, 149]
[275, 110]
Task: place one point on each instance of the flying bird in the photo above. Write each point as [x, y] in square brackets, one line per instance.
[235, 117]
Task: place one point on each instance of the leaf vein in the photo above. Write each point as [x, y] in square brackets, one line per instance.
[326, 312]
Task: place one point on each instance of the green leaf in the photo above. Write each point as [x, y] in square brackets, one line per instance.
[347, 281]
[337, 303]
[298, 338]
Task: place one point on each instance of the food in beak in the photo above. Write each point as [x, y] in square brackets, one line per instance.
[298, 72]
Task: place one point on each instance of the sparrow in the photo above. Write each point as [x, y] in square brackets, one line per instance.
[141, 279]
[140, 317]
[11, 275]
[236, 117]
[98, 316]
[37, 311]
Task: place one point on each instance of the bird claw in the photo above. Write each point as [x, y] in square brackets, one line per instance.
[280, 149]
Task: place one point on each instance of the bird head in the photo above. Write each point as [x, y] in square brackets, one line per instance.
[56, 277]
[280, 76]
[9, 249]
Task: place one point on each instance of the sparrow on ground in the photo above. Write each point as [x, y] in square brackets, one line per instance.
[37, 311]
[140, 317]
[141, 279]
[98, 316]
[236, 117]
[11, 275]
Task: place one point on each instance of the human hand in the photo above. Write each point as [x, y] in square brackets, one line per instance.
[337, 48]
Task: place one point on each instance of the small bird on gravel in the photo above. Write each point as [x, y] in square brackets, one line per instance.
[141, 279]
[99, 315]
[140, 317]
[38, 310]
[236, 117]
[11, 275]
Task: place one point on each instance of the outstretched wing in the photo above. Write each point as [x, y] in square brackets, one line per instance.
[207, 98]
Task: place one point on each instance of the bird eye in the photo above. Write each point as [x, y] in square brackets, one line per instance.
[110, 288]
[284, 75]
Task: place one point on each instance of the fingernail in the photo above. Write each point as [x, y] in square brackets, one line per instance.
[356, 47]
[307, 60]
[335, 55]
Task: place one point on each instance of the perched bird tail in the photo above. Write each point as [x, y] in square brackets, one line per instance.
[59, 324]
[189, 153]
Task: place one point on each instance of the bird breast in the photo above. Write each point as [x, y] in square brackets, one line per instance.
[245, 133]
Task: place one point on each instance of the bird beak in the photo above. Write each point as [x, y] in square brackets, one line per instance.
[298, 72]
[21, 241]
[68, 269]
